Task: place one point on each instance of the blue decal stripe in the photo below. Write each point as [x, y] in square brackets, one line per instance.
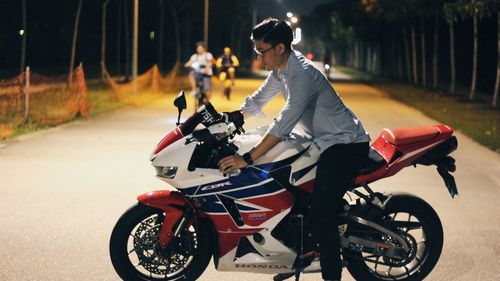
[267, 188]
[299, 174]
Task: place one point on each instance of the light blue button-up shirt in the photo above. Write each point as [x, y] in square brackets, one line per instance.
[311, 103]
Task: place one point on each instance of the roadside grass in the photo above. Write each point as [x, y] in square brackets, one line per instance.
[478, 120]
[101, 99]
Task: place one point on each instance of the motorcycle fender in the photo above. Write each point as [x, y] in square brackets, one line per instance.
[172, 204]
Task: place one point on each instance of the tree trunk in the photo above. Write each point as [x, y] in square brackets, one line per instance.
[422, 43]
[452, 57]
[119, 37]
[161, 35]
[497, 84]
[73, 45]
[414, 55]
[23, 37]
[400, 63]
[435, 54]
[103, 38]
[126, 21]
[175, 20]
[407, 55]
[474, 61]
[368, 60]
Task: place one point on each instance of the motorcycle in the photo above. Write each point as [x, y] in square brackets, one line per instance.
[258, 219]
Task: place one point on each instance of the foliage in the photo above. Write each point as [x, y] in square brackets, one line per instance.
[463, 9]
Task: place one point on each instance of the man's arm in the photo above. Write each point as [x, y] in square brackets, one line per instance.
[254, 103]
[235, 162]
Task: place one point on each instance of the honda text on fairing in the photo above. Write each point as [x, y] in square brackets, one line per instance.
[258, 219]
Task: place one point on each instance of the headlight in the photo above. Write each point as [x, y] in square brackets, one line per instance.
[167, 172]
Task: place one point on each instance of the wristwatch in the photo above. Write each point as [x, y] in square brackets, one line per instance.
[248, 158]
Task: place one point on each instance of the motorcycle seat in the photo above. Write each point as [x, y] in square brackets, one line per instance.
[399, 136]
[373, 162]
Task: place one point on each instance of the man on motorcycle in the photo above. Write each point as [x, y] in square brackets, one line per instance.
[226, 64]
[311, 102]
[201, 66]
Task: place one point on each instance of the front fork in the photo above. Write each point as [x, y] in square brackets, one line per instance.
[177, 212]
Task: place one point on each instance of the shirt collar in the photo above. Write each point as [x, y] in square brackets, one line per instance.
[291, 60]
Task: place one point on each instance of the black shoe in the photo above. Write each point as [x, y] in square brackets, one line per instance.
[283, 276]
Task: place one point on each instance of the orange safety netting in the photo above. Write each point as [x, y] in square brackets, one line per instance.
[43, 100]
[145, 87]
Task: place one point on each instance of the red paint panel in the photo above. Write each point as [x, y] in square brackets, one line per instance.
[308, 186]
[172, 137]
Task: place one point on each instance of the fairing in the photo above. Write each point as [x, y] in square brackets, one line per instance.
[252, 202]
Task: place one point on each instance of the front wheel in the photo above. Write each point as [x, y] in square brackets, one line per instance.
[136, 254]
[416, 222]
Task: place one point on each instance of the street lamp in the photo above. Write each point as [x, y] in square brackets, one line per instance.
[297, 32]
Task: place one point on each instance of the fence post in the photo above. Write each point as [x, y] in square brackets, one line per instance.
[26, 94]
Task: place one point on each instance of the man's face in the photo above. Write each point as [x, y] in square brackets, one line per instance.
[200, 49]
[267, 53]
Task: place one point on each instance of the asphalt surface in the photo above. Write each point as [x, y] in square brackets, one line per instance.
[62, 190]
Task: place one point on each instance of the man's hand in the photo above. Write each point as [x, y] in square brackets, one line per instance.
[231, 163]
[235, 117]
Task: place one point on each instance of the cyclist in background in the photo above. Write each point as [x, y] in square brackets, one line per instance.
[226, 64]
[201, 68]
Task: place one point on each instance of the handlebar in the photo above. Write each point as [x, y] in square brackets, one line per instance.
[208, 116]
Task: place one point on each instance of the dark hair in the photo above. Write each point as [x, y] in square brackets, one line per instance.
[201, 43]
[274, 32]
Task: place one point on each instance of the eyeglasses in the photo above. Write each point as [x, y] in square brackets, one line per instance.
[261, 53]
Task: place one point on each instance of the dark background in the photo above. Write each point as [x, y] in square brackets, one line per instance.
[50, 31]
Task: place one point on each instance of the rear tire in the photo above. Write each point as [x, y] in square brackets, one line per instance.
[423, 257]
[136, 255]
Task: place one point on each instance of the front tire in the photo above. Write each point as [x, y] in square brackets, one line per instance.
[136, 254]
[426, 243]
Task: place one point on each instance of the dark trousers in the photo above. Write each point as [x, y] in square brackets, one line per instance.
[337, 167]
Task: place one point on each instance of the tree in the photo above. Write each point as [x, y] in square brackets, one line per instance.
[23, 34]
[103, 38]
[73, 46]
[161, 21]
[476, 9]
[497, 83]
[451, 14]
[174, 12]
[495, 6]
[435, 53]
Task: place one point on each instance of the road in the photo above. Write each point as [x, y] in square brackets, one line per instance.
[62, 190]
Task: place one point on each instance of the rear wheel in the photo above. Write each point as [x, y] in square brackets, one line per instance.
[419, 225]
[136, 254]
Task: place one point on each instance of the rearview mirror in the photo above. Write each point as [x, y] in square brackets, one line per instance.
[180, 103]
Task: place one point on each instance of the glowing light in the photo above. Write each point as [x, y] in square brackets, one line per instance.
[298, 36]
[152, 35]
[289, 14]
[294, 19]
[21, 32]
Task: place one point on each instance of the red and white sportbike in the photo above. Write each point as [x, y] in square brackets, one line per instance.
[258, 219]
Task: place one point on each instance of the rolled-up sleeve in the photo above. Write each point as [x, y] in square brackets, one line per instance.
[254, 103]
[300, 94]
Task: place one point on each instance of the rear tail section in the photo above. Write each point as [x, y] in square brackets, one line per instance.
[402, 147]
